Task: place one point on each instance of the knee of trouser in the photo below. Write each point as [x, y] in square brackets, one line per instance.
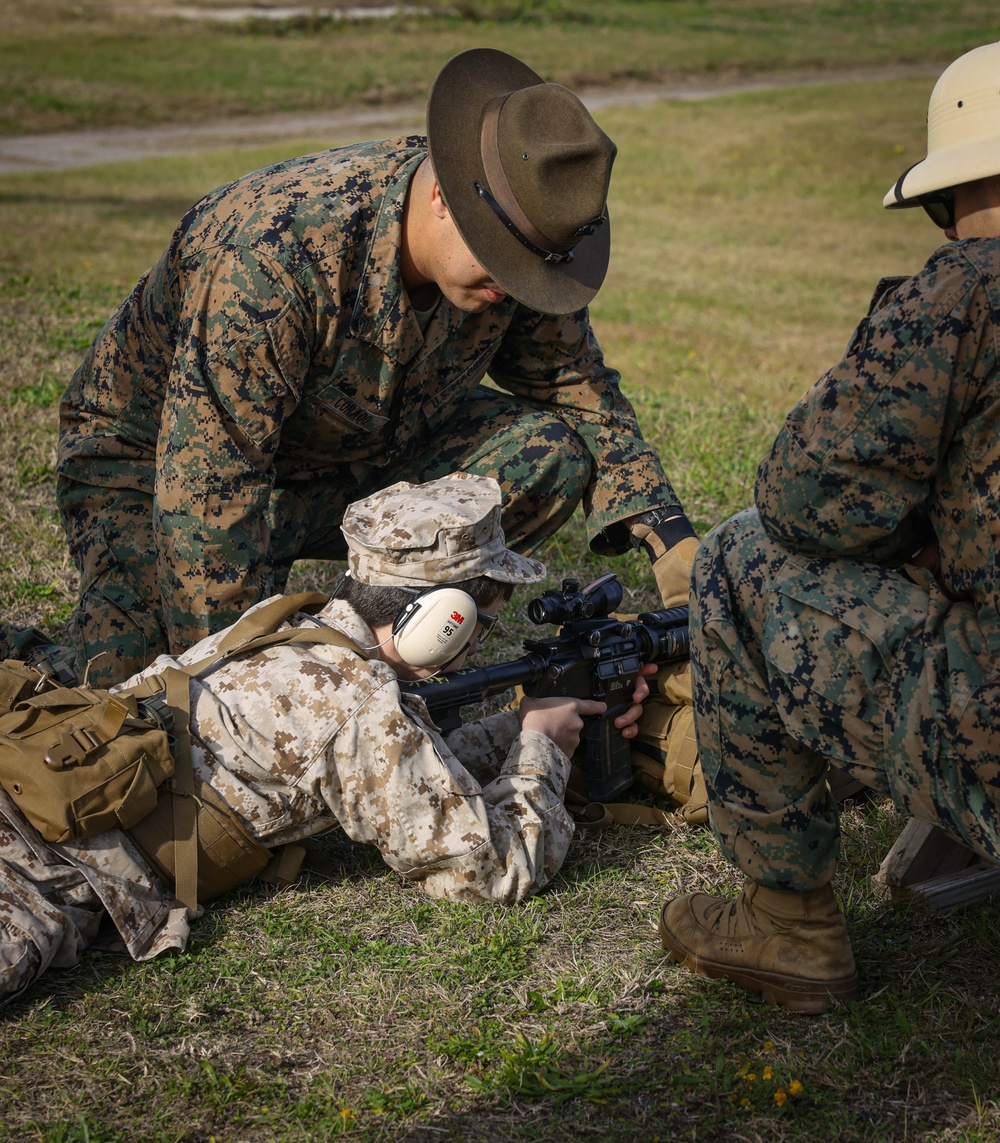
[112, 642]
[544, 469]
[729, 567]
[721, 551]
[552, 457]
[709, 580]
[117, 627]
[726, 602]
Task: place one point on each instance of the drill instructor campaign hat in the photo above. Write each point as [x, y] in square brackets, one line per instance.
[410, 535]
[524, 171]
[963, 129]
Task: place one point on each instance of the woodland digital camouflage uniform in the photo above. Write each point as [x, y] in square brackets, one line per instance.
[269, 369]
[299, 740]
[808, 646]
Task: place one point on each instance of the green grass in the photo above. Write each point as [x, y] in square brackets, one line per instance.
[748, 236]
[67, 64]
[354, 1004]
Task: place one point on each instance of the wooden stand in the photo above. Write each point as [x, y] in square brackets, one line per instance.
[927, 864]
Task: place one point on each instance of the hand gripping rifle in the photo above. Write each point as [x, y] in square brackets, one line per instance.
[594, 655]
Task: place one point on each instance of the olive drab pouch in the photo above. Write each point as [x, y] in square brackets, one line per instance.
[665, 751]
[665, 758]
[77, 760]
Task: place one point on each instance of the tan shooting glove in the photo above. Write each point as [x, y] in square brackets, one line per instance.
[670, 545]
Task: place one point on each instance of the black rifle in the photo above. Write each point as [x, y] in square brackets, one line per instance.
[594, 655]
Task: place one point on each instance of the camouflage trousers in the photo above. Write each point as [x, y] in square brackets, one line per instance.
[798, 661]
[21, 642]
[57, 901]
[49, 913]
[543, 468]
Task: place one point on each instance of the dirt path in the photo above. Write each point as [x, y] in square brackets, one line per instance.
[64, 150]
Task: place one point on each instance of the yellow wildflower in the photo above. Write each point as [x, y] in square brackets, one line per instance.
[767, 1073]
[744, 1102]
[768, 1046]
[780, 1096]
[796, 1087]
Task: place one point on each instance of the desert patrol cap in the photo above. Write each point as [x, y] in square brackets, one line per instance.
[445, 530]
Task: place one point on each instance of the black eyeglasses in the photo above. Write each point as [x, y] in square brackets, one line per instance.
[487, 622]
[940, 208]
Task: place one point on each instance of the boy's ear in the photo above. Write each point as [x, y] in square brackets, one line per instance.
[439, 207]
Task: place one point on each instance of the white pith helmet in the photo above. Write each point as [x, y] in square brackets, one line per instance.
[963, 129]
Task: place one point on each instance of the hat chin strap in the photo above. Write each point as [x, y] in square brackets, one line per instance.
[504, 204]
[549, 256]
[897, 190]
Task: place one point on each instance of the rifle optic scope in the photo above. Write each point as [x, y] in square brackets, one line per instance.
[599, 598]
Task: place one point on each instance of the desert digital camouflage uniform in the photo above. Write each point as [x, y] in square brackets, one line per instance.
[299, 740]
[269, 369]
[814, 639]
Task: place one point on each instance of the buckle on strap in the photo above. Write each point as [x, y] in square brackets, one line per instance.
[72, 748]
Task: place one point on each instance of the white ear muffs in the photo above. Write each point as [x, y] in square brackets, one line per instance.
[435, 628]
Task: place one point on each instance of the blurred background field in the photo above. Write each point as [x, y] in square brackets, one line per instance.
[748, 237]
[72, 63]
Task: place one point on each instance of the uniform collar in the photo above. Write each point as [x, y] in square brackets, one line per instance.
[382, 313]
[338, 613]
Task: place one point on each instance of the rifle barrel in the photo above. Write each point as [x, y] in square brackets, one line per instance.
[473, 684]
[665, 634]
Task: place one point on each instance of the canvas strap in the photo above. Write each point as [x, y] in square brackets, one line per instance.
[600, 815]
[182, 787]
[253, 632]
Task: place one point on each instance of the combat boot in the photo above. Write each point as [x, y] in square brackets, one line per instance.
[792, 948]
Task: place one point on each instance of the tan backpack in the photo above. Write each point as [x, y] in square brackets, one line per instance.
[664, 763]
[78, 760]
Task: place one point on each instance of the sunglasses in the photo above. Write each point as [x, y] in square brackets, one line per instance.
[940, 208]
